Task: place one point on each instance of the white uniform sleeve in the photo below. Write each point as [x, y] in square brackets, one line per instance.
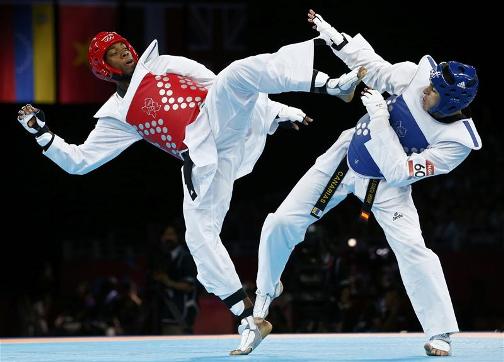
[271, 121]
[381, 75]
[106, 141]
[400, 169]
[183, 66]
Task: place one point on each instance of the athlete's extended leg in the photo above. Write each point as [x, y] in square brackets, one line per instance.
[281, 231]
[420, 269]
[286, 227]
[290, 69]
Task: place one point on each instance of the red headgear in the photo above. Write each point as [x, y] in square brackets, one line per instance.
[96, 54]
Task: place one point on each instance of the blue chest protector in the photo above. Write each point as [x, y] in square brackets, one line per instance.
[410, 135]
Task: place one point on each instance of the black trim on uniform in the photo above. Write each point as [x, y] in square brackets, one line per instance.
[187, 169]
[46, 147]
[313, 77]
[246, 313]
[341, 45]
[319, 42]
[234, 298]
[317, 90]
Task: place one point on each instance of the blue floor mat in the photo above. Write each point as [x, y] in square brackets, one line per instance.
[480, 347]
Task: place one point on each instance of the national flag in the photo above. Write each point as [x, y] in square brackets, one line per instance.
[78, 24]
[27, 64]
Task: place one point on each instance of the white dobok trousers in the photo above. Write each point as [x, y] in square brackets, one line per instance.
[236, 106]
[419, 266]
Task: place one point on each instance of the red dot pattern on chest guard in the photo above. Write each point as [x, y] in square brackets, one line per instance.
[162, 107]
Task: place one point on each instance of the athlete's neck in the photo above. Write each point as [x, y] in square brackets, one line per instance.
[122, 87]
[452, 117]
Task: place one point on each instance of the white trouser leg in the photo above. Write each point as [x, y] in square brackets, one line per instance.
[290, 69]
[420, 268]
[204, 223]
[235, 90]
[286, 228]
[230, 103]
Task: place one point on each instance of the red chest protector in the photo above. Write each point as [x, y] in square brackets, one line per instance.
[162, 107]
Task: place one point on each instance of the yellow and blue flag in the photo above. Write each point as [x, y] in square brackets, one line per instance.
[27, 65]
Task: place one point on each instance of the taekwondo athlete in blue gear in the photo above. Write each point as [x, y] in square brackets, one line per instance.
[421, 130]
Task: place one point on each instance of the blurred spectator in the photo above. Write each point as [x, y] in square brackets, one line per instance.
[75, 315]
[34, 308]
[110, 308]
[130, 311]
[309, 281]
[172, 284]
[33, 313]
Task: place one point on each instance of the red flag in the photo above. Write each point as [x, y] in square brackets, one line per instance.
[7, 60]
[78, 24]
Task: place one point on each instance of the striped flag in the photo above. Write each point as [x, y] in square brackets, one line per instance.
[27, 65]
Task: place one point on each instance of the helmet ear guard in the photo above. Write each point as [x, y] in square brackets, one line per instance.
[457, 85]
[96, 55]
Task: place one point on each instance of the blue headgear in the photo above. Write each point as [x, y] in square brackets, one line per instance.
[457, 85]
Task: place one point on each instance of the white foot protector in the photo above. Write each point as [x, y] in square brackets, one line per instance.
[263, 301]
[344, 86]
[438, 347]
[252, 331]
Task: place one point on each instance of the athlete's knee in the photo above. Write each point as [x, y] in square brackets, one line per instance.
[279, 220]
[416, 252]
[238, 66]
[432, 256]
[198, 237]
[239, 70]
[282, 227]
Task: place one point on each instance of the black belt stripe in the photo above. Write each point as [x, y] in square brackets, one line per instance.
[335, 180]
[329, 190]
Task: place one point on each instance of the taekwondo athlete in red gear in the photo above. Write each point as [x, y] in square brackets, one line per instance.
[216, 124]
[421, 130]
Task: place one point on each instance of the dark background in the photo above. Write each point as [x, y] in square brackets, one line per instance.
[75, 224]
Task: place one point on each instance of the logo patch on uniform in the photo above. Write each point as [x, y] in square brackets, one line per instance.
[400, 129]
[397, 215]
[151, 107]
[316, 212]
[430, 168]
[462, 85]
